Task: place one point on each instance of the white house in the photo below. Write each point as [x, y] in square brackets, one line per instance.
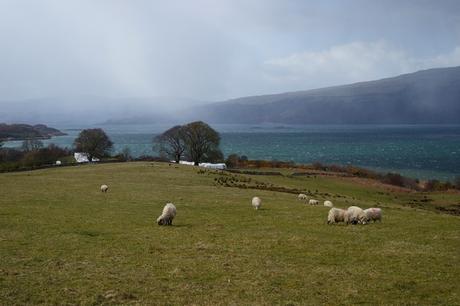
[81, 157]
[220, 166]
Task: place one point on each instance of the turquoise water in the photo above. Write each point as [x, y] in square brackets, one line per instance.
[422, 151]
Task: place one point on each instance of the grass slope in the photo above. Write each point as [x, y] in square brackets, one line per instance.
[62, 241]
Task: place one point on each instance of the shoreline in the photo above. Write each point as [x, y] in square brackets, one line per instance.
[411, 151]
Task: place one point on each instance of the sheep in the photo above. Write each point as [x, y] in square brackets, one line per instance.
[328, 204]
[336, 215]
[355, 215]
[302, 197]
[373, 214]
[256, 202]
[104, 188]
[168, 214]
[313, 202]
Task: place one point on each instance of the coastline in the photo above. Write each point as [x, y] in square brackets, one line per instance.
[421, 151]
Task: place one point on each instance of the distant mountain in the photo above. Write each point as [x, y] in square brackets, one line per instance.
[423, 97]
[25, 131]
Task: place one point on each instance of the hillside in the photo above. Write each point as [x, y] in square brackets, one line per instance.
[424, 97]
[65, 242]
[25, 131]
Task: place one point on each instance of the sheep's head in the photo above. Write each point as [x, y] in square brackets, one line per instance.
[363, 219]
[160, 221]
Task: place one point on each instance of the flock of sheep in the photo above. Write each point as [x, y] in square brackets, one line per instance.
[352, 215]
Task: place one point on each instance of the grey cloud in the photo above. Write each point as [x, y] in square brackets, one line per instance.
[207, 50]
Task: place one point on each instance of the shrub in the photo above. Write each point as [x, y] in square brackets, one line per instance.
[457, 182]
[435, 185]
[317, 166]
[393, 179]
[44, 156]
[10, 155]
[124, 155]
[151, 158]
[232, 161]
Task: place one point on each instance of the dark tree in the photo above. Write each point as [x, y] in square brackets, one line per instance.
[171, 143]
[93, 142]
[202, 142]
[214, 156]
[31, 144]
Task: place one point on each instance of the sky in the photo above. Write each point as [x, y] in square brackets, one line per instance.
[212, 50]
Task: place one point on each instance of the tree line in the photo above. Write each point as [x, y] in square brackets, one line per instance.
[194, 141]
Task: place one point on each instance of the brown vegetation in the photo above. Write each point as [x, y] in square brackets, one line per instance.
[234, 161]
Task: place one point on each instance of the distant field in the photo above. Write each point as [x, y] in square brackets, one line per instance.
[62, 241]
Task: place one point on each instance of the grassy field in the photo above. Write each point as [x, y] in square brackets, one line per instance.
[62, 241]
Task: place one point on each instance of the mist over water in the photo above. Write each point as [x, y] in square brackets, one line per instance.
[421, 151]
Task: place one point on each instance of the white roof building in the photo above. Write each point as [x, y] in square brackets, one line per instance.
[220, 166]
[81, 157]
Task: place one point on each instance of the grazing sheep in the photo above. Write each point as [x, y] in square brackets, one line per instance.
[104, 188]
[355, 215]
[336, 215]
[302, 197]
[168, 214]
[328, 204]
[373, 214]
[256, 202]
[313, 202]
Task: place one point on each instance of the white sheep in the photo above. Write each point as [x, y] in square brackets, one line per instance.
[313, 202]
[168, 214]
[104, 188]
[302, 197]
[355, 215]
[256, 202]
[373, 214]
[328, 204]
[336, 215]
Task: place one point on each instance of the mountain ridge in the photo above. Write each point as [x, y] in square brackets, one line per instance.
[426, 96]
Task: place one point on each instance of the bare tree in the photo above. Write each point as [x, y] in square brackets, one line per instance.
[31, 144]
[202, 142]
[93, 142]
[171, 143]
[126, 154]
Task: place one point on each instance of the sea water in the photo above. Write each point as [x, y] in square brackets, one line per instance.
[421, 151]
